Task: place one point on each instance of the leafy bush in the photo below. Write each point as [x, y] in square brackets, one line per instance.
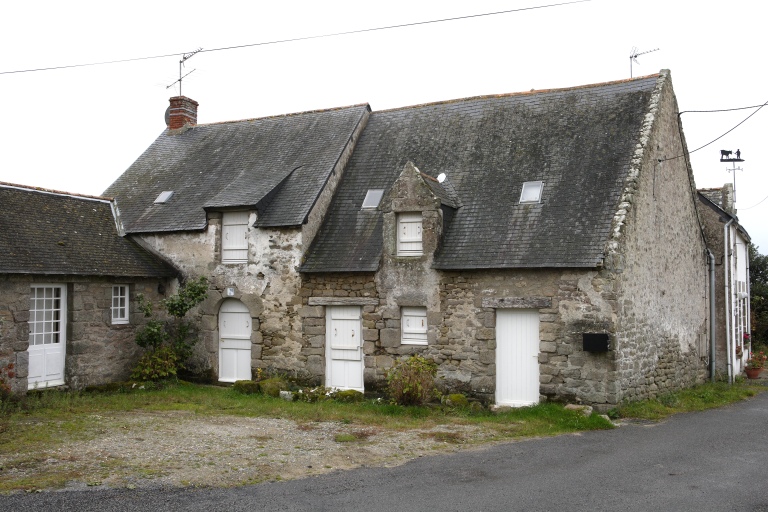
[273, 386]
[169, 342]
[160, 363]
[412, 381]
[246, 387]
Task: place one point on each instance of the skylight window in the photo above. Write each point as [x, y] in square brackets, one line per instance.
[531, 192]
[373, 198]
[164, 197]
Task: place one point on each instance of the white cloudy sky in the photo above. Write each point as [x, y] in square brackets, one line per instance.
[78, 129]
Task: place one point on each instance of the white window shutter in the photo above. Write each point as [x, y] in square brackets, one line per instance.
[234, 237]
[414, 325]
[409, 236]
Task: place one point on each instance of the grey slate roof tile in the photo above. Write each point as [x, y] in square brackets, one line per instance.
[578, 142]
[56, 233]
[284, 161]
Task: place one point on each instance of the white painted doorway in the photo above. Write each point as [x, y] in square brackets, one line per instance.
[344, 348]
[47, 335]
[517, 357]
[234, 341]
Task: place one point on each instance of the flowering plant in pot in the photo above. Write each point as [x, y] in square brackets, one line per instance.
[757, 361]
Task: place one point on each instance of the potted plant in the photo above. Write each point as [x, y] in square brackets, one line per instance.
[755, 364]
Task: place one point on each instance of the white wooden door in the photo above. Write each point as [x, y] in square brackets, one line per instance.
[517, 357]
[234, 341]
[47, 335]
[344, 348]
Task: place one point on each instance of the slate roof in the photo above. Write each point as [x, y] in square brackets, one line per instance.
[578, 141]
[713, 198]
[46, 232]
[278, 165]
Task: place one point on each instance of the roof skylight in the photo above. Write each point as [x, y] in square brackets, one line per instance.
[531, 192]
[164, 197]
[373, 198]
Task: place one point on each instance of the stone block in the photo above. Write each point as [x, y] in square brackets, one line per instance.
[370, 334]
[389, 338]
[22, 365]
[314, 330]
[548, 346]
[485, 333]
[317, 341]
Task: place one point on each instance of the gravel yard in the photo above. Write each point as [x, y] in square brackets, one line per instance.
[141, 449]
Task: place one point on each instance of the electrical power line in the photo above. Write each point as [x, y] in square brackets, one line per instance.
[754, 205]
[294, 39]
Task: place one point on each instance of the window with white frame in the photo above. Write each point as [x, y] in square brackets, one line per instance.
[409, 241]
[531, 192]
[414, 325]
[120, 304]
[234, 237]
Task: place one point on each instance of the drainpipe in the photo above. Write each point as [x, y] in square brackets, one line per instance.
[712, 299]
[726, 267]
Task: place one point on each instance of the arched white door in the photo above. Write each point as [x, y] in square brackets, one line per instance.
[234, 341]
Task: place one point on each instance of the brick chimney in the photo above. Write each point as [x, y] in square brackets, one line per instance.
[182, 112]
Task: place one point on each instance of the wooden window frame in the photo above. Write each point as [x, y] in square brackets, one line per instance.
[120, 313]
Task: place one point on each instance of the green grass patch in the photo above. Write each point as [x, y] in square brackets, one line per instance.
[699, 398]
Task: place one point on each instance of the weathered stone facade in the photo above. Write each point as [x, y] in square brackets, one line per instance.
[97, 351]
[649, 296]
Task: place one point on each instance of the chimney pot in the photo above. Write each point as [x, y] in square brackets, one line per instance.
[182, 112]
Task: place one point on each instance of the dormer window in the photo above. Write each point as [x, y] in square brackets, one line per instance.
[409, 242]
[234, 237]
[531, 192]
[372, 198]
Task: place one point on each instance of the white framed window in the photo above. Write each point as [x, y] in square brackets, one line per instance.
[409, 241]
[120, 304]
[414, 325]
[531, 192]
[47, 315]
[372, 198]
[234, 237]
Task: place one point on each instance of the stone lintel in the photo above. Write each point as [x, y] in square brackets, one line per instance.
[517, 302]
[343, 301]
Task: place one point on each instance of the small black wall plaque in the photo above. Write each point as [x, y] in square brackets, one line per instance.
[596, 342]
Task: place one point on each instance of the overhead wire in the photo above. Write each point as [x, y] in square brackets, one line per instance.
[295, 39]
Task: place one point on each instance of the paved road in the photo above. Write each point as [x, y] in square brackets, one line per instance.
[716, 460]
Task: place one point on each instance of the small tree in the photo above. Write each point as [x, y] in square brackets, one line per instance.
[169, 342]
[758, 283]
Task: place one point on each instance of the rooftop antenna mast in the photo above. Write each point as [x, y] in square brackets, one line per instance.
[633, 55]
[184, 58]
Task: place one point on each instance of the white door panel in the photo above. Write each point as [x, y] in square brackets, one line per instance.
[344, 352]
[234, 341]
[47, 335]
[517, 357]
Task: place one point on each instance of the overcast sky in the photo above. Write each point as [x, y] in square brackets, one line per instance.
[78, 129]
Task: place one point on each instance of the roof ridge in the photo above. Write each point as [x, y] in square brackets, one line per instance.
[521, 93]
[31, 188]
[278, 116]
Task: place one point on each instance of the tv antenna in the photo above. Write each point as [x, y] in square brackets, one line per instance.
[184, 58]
[634, 54]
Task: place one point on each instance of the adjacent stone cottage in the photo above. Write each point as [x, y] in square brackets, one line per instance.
[68, 284]
[239, 202]
[535, 245]
[728, 242]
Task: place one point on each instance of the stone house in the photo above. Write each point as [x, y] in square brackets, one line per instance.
[541, 245]
[728, 242]
[68, 284]
[239, 202]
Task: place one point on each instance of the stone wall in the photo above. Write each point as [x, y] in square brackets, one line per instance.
[657, 260]
[97, 351]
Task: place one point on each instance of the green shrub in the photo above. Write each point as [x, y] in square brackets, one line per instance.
[157, 364]
[348, 396]
[246, 387]
[412, 381]
[456, 400]
[273, 386]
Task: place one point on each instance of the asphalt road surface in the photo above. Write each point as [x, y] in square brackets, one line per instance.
[715, 460]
